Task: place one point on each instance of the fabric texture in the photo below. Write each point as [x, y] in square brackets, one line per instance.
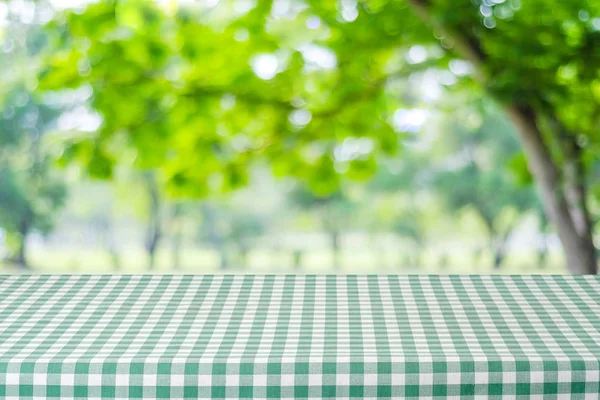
[315, 337]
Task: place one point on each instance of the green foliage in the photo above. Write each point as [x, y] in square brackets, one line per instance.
[163, 79]
[474, 179]
[30, 193]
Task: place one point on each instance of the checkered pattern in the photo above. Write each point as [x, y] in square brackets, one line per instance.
[299, 337]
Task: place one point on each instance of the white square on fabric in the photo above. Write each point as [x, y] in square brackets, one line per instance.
[509, 377]
[94, 380]
[453, 378]
[536, 376]
[149, 380]
[370, 379]
[425, 379]
[177, 380]
[482, 378]
[121, 380]
[315, 380]
[65, 380]
[12, 378]
[288, 380]
[39, 379]
[398, 379]
[259, 380]
[342, 379]
[232, 380]
[564, 376]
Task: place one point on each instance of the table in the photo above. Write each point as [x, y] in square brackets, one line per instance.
[246, 336]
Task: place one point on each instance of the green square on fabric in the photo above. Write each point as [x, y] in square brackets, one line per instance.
[163, 392]
[577, 387]
[329, 368]
[190, 392]
[411, 390]
[467, 366]
[467, 389]
[191, 369]
[246, 369]
[412, 367]
[163, 369]
[523, 389]
[357, 391]
[523, 366]
[578, 365]
[494, 389]
[53, 391]
[328, 391]
[273, 392]
[495, 366]
[357, 368]
[439, 367]
[80, 391]
[384, 391]
[550, 388]
[246, 392]
[218, 392]
[136, 369]
[439, 390]
[27, 368]
[301, 368]
[550, 366]
[219, 369]
[275, 368]
[108, 391]
[301, 391]
[136, 392]
[25, 390]
[54, 368]
[3, 390]
[384, 367]
[109, 368]
[82, 368]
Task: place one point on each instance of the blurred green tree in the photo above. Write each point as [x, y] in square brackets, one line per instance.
[30, 193]
[476, 145]
[333, 214]
[314, 85]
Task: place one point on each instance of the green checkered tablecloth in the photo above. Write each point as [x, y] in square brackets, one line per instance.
[267, 337]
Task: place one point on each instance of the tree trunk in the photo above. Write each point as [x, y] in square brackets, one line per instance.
[577, 243]
[543, 255]
[379, 254]
[443, 261]
[499, 254]
[21, 253]
[418, 255]
[114, 257]
[176, 249]
[578, 248]
[177, 232]
[297, 256]
[154, 227]
[243, 254]
[214, 236]
[477, 256]
[335, 248]
[500, 248]
[543, 247]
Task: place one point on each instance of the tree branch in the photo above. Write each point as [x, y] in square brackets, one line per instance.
[467, 46]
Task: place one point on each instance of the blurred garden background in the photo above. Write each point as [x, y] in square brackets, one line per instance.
[299, 136]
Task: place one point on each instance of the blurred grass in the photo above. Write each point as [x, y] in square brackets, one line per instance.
[260, 261]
